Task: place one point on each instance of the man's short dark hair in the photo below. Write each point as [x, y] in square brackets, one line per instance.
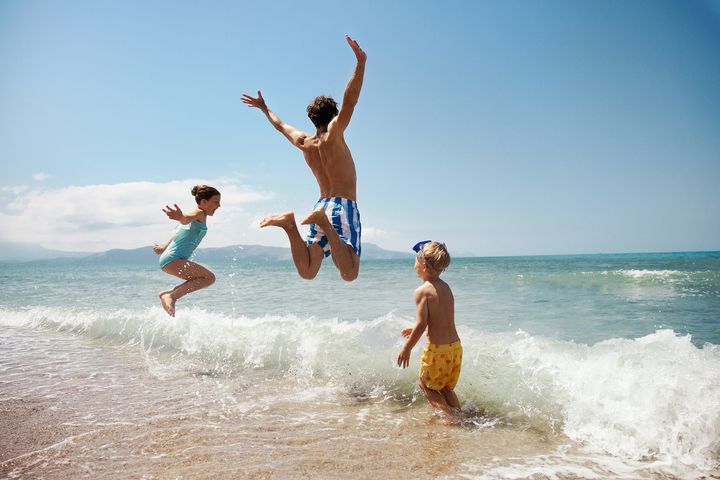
[322, 110]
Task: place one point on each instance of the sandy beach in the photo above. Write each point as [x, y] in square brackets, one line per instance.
[126, 423]
[93, 386]
[27, 426]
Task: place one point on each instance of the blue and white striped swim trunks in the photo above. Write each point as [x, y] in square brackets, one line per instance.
[345, 219]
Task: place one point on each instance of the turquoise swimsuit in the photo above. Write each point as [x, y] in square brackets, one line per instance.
[184, 243]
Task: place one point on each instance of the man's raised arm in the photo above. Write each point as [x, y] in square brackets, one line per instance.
[352, 91]
[295, 136]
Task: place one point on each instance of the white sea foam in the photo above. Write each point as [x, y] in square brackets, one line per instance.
[654, 398]
[640, 274]
[564, 464]
[649, 273]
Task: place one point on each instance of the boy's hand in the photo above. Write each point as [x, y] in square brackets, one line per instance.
[403, 359]
[176, 214]
[406, 331]
[159, 249]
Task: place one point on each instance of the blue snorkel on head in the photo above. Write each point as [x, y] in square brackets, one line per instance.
[418, 246]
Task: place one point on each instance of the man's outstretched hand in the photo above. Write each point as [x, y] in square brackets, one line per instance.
[359, 53]
[258, 102]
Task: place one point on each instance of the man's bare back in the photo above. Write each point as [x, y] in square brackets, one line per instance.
[330, 160]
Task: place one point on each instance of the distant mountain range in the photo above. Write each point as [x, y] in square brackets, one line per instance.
[26, 252]
[20, 252]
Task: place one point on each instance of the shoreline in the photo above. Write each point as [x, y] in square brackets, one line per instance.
[60, 420]
[28, 426]
[574, 369]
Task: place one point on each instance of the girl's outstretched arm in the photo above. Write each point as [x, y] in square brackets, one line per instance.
[177, 214]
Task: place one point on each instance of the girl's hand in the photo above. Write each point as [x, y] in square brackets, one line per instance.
[175, 214]
[159, 249]
[406, 331]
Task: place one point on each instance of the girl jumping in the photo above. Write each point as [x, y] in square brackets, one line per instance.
[175, 253]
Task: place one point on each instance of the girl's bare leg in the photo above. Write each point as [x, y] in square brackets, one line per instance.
[196, 277]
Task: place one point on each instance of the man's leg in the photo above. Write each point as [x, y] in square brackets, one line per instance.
[343, 256]
[307, 259]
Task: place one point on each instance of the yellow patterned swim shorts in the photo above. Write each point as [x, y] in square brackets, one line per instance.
[440, 365]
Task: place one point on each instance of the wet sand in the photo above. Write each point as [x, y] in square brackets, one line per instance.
[43, 444]
[70, 408]
[29, 425]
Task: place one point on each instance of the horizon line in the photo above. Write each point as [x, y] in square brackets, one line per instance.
[473, 255]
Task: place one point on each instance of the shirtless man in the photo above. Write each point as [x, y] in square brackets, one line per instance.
[335, 220]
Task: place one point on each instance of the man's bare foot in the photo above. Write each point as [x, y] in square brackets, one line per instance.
[316, 216]
[278, 220]
[168, 303]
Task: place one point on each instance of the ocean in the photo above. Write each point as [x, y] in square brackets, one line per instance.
[587, 366]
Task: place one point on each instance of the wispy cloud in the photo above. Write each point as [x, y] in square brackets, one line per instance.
[123, 215]
[14, 190]
[40, 176]
[376, 234]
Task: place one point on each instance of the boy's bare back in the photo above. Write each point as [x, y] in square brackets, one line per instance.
[440, 304]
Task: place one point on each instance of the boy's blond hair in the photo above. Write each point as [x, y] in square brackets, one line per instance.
[435, 255]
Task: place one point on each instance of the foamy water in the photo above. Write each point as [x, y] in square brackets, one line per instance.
[303, 390]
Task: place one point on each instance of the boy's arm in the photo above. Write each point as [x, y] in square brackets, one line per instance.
[178, 215]
[421, 316]
[295, 136]
[352, 90]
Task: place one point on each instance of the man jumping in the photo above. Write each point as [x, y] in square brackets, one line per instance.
[335, 220]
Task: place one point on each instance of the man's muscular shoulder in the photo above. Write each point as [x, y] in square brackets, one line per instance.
[308, 141]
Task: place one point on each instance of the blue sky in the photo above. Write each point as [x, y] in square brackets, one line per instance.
[501, 128]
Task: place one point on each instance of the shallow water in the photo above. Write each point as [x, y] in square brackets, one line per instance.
[574, 367]
[151, 417]
[125, 416]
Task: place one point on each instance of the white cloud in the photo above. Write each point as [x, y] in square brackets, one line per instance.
[40, 176]
[387, 239]
[16, 190]
[125, 215]
[375, 234]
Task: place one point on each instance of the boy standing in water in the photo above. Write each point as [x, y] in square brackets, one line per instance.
[435, 312]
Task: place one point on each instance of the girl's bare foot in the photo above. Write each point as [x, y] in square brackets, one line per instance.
[168, 303]
[278, 220]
